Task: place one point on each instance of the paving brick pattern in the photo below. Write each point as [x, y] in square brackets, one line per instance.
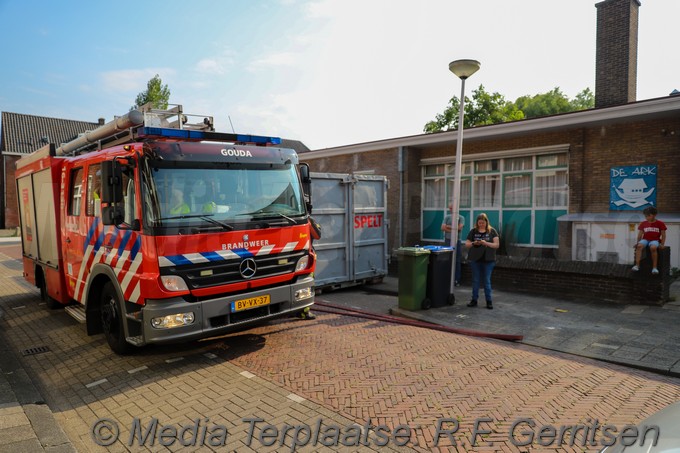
[338, 369]
[406, 375]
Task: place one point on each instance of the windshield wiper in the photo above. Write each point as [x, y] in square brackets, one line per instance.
[184, 216]
[206, 217]
[272, 214]
[226, 226]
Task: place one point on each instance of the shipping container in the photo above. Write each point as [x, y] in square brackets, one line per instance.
[352, 212]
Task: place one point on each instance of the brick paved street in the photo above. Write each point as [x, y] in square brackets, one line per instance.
[338, 369]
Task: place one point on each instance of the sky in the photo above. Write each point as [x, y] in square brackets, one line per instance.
[326, 72]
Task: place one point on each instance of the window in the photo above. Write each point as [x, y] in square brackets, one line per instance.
[517, 190]
[129, 198]
[487, 191]
[434, 193]
[524, 194]
[464, 192]
[434, 170]
[551, 188]
[76, 191]
[465, 169]
[487, 166]
[552, 160]
[518, 163]
[94, 188]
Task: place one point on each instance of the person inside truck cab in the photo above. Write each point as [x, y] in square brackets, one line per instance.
[178, 206]
[212, 196]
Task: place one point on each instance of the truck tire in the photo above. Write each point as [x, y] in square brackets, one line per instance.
[51, 303]
[112, 321]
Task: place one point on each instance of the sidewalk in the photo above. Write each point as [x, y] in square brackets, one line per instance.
[639, 336]
[26, 422]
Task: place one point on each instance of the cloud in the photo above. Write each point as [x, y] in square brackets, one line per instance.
[131, 80]
[210, 66]
[280, 59]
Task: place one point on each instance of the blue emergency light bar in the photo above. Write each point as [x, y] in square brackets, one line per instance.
[188, 134]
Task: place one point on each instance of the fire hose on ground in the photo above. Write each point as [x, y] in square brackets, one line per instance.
[325, 307]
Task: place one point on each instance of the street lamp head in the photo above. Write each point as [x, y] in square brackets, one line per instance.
[464, 68]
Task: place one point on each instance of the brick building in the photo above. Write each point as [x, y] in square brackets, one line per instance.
[569, 186]
[20, 135]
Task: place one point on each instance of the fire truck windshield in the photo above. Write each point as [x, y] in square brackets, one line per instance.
[228, 195]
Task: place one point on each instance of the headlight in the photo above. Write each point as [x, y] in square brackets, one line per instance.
[174, 283]
[170, 321]
[302, 263]
[304, 293]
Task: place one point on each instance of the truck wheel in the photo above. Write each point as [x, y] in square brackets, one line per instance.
[112, 321]
[51, 303]
[426, 304]
[451, 299]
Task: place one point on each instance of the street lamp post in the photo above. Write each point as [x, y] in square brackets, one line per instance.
[463, 69]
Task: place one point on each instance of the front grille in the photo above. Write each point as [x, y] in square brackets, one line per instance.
[205, 275]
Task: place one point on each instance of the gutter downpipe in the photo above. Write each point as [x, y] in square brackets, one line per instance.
[400, 168]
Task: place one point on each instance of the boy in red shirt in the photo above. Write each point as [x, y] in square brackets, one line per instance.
[652, 233]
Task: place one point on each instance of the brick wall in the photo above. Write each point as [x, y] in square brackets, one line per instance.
[581, 280]
[11, 209]
[650, 142]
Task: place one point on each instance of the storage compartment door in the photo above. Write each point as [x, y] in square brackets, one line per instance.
[369, 226]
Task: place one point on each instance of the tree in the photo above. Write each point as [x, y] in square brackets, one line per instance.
[549, 103]
[584, 100]
[484, 108]
[156, 93]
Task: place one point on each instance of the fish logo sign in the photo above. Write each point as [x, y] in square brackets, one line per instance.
[632, 188]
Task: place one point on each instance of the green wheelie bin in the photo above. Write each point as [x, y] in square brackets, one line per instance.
[413, 262]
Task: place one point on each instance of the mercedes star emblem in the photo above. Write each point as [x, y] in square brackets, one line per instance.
[247, 268]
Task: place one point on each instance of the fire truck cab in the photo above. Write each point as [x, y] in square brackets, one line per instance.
[153, 234]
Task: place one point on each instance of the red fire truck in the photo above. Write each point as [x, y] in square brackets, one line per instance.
[153, 229]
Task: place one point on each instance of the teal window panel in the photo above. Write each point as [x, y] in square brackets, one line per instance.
[494, 219]
[432, 225]
[468, 224]
[517, 226]
[546, 226]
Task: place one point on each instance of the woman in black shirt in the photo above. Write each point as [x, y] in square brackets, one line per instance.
[482, 242]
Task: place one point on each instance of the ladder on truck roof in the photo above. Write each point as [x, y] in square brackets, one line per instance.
[173, 118]
[148, 122]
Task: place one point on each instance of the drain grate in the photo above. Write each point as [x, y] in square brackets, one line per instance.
[36, 350]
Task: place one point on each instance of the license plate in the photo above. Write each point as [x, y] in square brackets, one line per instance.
[251, 302]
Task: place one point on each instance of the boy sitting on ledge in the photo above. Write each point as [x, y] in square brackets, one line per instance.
[652, 233]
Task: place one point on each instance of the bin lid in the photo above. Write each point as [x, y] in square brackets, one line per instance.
[412, 251]
[438, 248]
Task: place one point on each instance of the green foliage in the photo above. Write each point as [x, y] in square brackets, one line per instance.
[483, 108]
[583, 101]
[554, 102]
[549, 103]
[156, 92]
[492, 108]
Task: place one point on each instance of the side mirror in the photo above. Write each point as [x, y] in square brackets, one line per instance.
[112, 182]
[306, 185]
